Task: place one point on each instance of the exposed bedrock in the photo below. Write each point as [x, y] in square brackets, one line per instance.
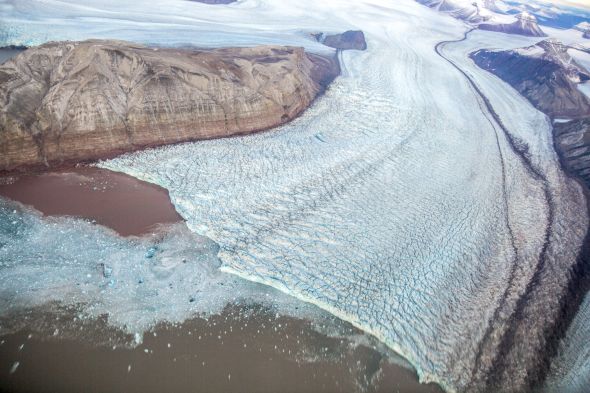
[351, 39]
[71, 101]
[543, 73]
[572, 142]
[469, 11]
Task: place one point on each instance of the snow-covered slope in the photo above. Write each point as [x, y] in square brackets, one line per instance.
[467, 10]
[488, 15]
[583, 27]
[525, 24]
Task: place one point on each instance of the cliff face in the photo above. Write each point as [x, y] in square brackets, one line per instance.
[467, 10]
[84, 100]
[526, 24]
[572, 142]
[544, 73]
[351, 39]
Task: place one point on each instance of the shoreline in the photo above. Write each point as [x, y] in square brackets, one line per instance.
[244, 346]
[127, 205]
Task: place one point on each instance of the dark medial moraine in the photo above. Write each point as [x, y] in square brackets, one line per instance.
[548, 77]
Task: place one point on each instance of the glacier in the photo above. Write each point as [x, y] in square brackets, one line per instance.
[399, 201]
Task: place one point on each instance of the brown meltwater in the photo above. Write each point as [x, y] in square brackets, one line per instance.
[239, 350]
[116, 200]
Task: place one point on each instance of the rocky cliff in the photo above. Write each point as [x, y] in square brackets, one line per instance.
[544, 73]
[71, 101]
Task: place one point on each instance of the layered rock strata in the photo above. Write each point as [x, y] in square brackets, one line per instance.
[72, 101]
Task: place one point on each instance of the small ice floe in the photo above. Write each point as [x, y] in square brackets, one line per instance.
[151, 252]
[107, 271]
[129, 368]
[14, 367]
[138, 338]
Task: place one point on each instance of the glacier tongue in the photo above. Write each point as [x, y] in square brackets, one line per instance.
[412, 216]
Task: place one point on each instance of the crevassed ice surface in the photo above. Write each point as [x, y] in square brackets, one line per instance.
[396, 202]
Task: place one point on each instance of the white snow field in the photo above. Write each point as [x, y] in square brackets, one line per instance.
[396, 202]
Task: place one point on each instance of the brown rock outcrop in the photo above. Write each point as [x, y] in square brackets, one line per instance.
[351, 39]
[543, 73]
[73, 101]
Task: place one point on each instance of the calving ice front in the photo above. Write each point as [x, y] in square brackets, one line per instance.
[420, 198]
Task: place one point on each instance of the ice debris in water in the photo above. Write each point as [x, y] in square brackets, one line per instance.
[46, 259]
[14, 367]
